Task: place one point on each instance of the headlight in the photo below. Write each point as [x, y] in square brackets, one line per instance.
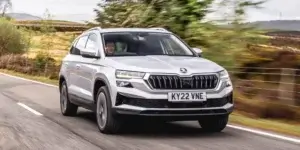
[223, 74]
[122, 74]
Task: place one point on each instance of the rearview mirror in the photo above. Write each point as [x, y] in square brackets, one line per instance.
[89, 53]
[198, 51]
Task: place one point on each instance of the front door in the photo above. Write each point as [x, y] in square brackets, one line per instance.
[74, 64]
[89, 67]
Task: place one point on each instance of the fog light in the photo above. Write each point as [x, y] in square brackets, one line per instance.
[124, 84]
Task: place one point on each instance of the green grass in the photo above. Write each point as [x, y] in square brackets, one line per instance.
[56, 44]
[279, 126]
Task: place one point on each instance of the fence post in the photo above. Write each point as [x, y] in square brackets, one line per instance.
[287, 76]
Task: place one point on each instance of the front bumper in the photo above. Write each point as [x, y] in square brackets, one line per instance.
[163, 108]
[141, 100]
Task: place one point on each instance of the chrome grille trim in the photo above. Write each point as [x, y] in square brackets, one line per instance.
[177, 82]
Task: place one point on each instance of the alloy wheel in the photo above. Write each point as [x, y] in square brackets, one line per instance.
[101, 110]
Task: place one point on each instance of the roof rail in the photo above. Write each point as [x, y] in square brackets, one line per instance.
[162, 29]
[94, 28]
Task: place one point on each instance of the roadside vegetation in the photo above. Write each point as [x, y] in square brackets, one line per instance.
[254, 58]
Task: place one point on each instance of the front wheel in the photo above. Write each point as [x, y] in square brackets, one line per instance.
[106, 121]
[214, 123]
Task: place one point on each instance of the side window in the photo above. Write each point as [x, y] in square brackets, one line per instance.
[81, 42]
[92, 42]
[73, 47]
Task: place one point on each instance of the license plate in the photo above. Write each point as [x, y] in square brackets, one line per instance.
[186, 96]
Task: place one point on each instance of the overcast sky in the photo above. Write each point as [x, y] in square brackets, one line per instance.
[78, 10]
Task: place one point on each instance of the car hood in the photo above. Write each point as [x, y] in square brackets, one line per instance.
[164, 64]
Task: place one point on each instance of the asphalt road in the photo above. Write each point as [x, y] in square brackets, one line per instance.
[23, 129]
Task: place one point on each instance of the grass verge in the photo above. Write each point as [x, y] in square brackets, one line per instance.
[279, 126]
[36, 78]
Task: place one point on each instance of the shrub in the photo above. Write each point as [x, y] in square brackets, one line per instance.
[42, 65]
[7, 61]
[41, 60]
[266, 109]
[12, 40]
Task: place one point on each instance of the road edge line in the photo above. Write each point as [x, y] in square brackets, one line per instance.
[265, 133]
[34, 81]
[254, 131]
[30, 109]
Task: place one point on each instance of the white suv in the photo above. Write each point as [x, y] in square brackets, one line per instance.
[126, 72]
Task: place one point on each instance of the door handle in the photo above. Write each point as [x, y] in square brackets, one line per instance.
[77, 66]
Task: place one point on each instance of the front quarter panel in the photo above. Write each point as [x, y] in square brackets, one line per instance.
[107, 75]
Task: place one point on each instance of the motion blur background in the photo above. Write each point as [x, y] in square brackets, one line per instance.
[257, 41]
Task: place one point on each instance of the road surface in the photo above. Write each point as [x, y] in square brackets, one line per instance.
[30, 119]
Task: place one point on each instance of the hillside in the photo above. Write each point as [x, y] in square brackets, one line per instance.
[284, 25]
[23, 16]
[59, 25]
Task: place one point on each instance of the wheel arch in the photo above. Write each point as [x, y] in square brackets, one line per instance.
[98, 83]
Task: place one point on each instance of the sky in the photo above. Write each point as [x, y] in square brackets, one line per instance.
[80, 10]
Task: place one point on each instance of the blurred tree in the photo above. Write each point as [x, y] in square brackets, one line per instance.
[12, 40]
[186, 18]
[125, 13]
[174, 15]
[4, 6]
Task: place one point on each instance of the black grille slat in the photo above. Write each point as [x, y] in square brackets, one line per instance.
[165, 81]
[151, 81]
[210, 80]
[205, 77]
[176, 85]
[197, 80]
[201, 81]
[170, 81]
[176, 82]
[159, 82]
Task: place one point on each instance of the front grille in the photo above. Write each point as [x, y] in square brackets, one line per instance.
[175, 82]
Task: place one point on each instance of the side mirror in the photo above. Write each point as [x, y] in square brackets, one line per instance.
[198, 51]
[89, 53]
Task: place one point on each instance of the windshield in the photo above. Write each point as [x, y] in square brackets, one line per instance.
[144, 43]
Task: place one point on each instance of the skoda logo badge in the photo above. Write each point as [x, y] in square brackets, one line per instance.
[183, 70]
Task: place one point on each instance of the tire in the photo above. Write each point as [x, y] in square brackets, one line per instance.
[67, 108]
[214, 124]
[107, 122]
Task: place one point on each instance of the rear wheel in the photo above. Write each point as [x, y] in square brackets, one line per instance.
[66, 107]
[214, 124]
[107, 122]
